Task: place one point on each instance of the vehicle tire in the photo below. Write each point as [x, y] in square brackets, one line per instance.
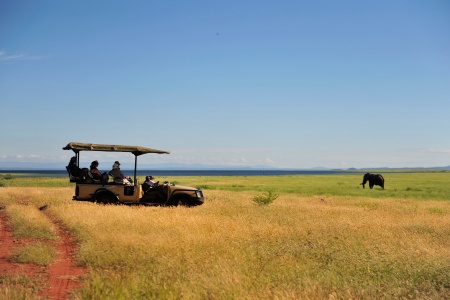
[106, 199]
[181, 201]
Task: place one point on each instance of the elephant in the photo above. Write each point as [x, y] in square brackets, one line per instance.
[374, 179]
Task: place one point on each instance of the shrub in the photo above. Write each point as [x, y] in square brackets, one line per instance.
[265, 199]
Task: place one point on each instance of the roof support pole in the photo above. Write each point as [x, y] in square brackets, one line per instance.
[135, 170]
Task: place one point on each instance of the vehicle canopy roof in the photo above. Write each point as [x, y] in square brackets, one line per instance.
[136, 150]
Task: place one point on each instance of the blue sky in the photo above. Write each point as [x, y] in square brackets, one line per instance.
[290, 84]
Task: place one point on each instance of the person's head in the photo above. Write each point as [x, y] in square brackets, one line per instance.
[73, 159]
[116, 165]
[149, 177]
[94, 164]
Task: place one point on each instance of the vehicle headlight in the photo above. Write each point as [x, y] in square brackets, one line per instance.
[199, 194]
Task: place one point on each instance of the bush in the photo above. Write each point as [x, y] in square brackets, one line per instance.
[265, 199]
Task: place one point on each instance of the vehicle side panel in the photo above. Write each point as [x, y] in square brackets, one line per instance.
[125, 193]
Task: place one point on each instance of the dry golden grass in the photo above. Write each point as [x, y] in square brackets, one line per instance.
[19, 287]
[307, 247]
[27, 221]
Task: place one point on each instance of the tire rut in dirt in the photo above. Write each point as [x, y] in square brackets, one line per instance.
[64, 274]
[61, 277]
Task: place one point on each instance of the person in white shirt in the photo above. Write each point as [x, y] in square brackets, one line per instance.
[149, 183]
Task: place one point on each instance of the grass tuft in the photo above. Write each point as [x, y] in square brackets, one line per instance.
[19, 287]
[266, 199]
[37, 253]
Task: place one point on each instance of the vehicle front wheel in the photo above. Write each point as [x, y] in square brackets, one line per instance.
[181, 201]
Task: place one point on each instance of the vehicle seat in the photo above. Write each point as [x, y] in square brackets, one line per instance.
[91, 179]
[71, 177]
[105, 177]
[115, 180]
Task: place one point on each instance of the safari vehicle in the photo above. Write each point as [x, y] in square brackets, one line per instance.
[104, 191]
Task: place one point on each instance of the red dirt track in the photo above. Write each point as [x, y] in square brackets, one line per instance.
[58, 279]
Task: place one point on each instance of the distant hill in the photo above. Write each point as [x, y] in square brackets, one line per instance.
[409, 169]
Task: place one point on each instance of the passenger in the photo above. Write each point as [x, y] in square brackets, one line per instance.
[94, 171]
[75, 171]
[119, 177]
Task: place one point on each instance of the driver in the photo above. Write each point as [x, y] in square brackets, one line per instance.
[149, 183]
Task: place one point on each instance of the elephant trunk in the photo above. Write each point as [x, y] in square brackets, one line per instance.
[365, 179]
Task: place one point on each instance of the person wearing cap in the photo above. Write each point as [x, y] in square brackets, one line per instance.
[119, 177]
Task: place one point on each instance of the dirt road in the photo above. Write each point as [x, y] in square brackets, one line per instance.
[55, 281]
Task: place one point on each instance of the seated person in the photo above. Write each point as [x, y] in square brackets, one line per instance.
[119, 177]
[74, 170]
[94, 171]
[149, 183]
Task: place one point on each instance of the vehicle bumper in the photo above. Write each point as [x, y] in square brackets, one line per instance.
[198, 200]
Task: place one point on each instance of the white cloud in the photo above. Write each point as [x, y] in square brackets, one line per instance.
[445, 151]
[30, 158]
[12, 57]
[268, 161]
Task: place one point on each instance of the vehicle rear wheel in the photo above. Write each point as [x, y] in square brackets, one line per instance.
[106, 199]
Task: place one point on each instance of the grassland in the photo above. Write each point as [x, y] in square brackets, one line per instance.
[323, 237]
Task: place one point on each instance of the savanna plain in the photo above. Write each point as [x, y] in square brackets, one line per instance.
[323, 237]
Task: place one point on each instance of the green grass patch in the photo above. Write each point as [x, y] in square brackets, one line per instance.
[437, 210]
[412, 185]
[266, 199]
[17, 181]
[37, 253]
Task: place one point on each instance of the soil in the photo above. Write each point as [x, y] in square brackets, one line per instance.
[57, 280]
